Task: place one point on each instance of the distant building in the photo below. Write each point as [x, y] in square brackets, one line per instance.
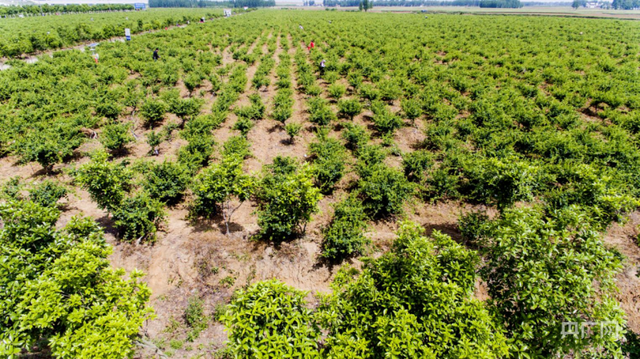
[140, 6]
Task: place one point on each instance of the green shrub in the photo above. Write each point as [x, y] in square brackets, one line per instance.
[384, 190]
[292, 129]
[270, 317]
[542, 273]
[51, 277]
[195, 318]
[412, 299]
[237, 146]
[344, 236]
[349, 108]
[138, 218]
[116, 137]
[153, 112]
[286, 200]
[166, 181]
[154, 139]
[244, 125]
[329, 162]
[337, 90]
[47, 193]
[196, 153]
[355, 135]
[215, 187]
[415, 164]
[107, 182]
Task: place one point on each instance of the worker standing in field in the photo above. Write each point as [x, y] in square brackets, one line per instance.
[155, 55]
[322, 66]
[311, 45]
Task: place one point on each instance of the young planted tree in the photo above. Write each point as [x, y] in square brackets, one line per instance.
[270, 317]
[543, 272]
[292, 129]
[344, 236]
[138, 217]
[186, 109]
[218, 186]
[286, 199]
[409, 303]
[154, 139]
[384, 190]
[52, 277]
[116, 137]
[166, 181]
[153, 112]
[47, 193]
[349, 108]
[412, 109]
[107, 182]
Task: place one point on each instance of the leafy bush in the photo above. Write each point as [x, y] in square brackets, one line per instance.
[344, 236]
[541, 273]
[237, 146]
[337, 90]
[196, 153]
[413, 299]
[329, 162]
[292, 129]
[244, 125]
[153, 112]
[349, 108]
[107, 182]
[355, 135]
[384, 190]
[138, 218]
[154, 139]
[51, 277]
[195, 318]
[116, 137]
[415, 164]
[166, 181]
[220, 184]
[256, 326]
[286, 199]
[47, 193]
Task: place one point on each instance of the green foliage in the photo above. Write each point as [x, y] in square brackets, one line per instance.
[215, 188]
[186, 109]
[292, 129]
[46, 151]
[244, 125]
[153, 112]
[541, 273]
[237, 146]
[411, 108]
[52, 277]
[384, 190]
[47, 193]
[415, 164]
[154, 139]
[107, 182]
[197, 152]
[138, 218]
[344, 236]
[413, 302]
[195, 318]
[320, 112]
[337, 90]
[355, 135]
[349, 108]
[329, 162]
[286, 200]
[116, 137]
[270, 318]
[166, 181]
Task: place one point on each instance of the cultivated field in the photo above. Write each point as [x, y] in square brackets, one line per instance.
[487, 168]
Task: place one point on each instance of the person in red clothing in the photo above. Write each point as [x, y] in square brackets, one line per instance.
[311, 45]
